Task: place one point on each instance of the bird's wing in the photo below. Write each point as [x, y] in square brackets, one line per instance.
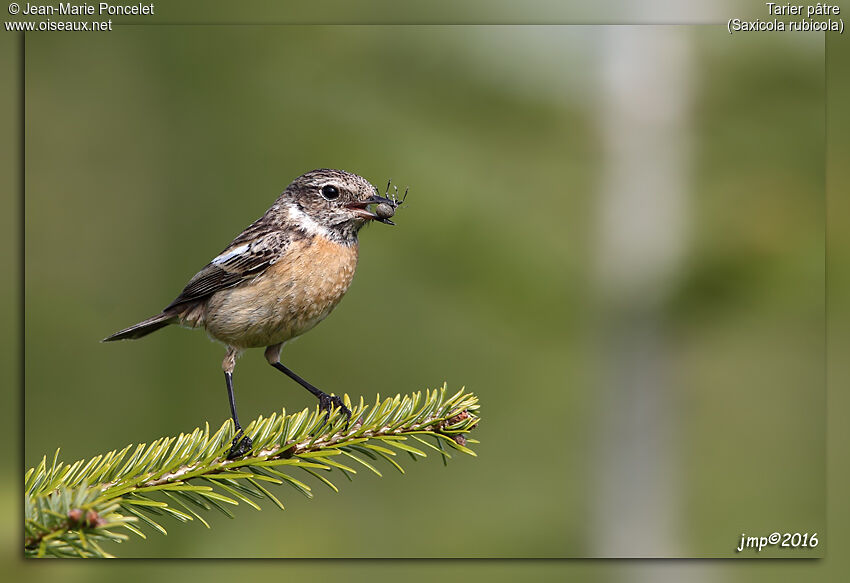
[244, 258]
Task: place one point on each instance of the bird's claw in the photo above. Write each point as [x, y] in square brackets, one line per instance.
[327, 402]
[239, 447]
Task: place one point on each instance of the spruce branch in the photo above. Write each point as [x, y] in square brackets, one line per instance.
[71, 509]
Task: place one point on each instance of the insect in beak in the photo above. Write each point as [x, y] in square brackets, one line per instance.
[386, 206]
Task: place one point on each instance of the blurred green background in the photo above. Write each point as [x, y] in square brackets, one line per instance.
[149, 148]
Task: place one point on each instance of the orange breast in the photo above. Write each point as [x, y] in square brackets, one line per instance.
[289, 298]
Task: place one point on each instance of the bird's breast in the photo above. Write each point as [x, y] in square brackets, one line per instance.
[291, 296]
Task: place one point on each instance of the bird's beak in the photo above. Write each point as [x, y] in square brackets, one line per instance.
[359, 207]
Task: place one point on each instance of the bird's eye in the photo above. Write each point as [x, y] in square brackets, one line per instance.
[330, 192]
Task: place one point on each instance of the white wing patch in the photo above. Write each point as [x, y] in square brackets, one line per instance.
[224, 257]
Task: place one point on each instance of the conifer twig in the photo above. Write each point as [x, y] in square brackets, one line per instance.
[71, 509]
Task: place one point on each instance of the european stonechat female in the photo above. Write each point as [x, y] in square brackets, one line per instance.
[280, 277]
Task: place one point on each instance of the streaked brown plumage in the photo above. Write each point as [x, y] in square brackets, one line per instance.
[279, 278]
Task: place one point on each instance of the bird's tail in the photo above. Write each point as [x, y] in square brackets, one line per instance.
[143, 328]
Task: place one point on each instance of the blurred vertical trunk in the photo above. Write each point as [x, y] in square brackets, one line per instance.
[641, 237]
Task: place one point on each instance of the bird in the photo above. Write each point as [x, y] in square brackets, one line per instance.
[279, 278]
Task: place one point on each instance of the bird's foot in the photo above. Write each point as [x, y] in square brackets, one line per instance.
[239, 447]
[326, 402]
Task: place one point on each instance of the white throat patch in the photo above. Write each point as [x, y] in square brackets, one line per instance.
[305, 222]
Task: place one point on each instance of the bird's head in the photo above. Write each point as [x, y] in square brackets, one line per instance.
[333, 203]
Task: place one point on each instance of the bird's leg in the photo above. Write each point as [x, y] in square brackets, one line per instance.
[239, 447]
[325, 400]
